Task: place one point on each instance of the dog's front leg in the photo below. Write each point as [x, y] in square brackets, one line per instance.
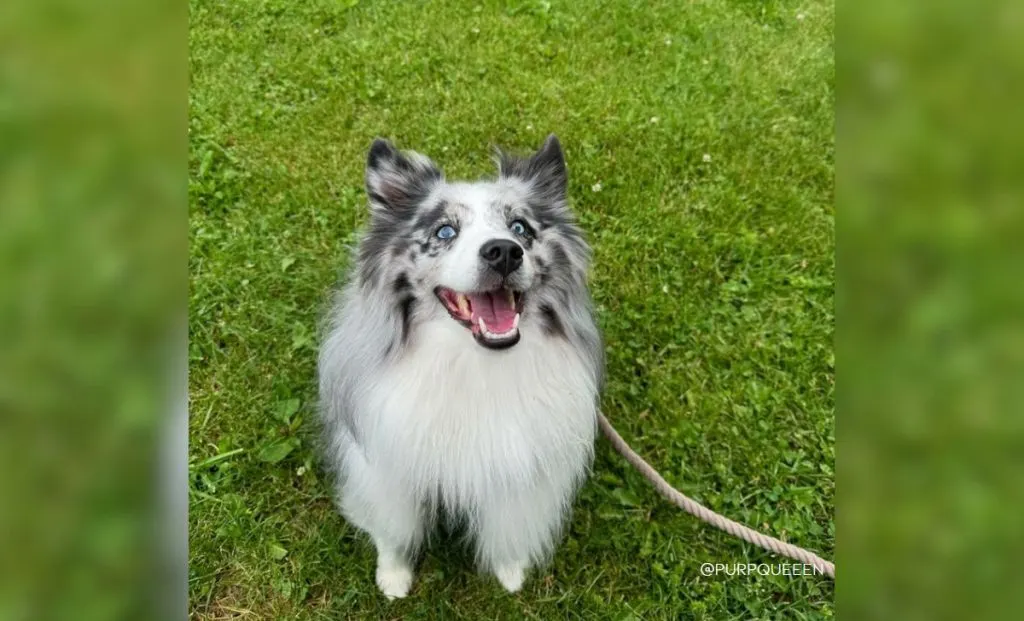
[384, 509]
[394, 568]
[518, 530]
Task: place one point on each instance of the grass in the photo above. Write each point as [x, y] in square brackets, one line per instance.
[699, 137]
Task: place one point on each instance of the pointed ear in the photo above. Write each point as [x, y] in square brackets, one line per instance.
[396, 180]
[545, 169]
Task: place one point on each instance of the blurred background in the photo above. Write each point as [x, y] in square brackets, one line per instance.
[93, 245]
[929, 307]
[93, 232]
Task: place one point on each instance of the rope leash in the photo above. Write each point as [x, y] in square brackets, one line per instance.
[698, 510]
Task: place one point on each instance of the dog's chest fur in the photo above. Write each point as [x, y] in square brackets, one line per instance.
[469, 422]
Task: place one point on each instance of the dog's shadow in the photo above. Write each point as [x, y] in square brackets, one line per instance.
[447, 562]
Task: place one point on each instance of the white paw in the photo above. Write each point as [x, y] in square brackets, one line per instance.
[511, 577]
[394, 581]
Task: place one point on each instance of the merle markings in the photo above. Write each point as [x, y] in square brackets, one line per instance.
[552, 323]
[401, 283]
[407, 306]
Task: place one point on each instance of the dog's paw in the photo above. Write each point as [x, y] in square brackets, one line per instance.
[511, 577]
[394, 581]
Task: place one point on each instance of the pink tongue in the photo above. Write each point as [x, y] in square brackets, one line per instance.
[496, 311]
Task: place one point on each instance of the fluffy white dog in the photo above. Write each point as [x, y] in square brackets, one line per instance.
[460, 370]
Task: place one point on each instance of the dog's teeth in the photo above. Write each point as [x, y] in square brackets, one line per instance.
[515, 322]
[511, 298]
[463, 304]
[483, 327]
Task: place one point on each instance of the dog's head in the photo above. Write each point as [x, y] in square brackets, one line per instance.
[493, 256]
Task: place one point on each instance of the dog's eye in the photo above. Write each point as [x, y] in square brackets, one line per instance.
[447, 232]
[519, 228]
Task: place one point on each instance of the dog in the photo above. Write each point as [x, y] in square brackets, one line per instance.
[461, 363]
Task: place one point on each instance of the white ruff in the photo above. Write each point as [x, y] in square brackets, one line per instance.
[503, 438]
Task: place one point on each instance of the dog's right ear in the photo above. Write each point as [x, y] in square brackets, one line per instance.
[396, 180]
[545, 169]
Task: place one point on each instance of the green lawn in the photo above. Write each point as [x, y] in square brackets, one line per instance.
[699, 137]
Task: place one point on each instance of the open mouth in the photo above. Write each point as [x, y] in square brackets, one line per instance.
[492, 316]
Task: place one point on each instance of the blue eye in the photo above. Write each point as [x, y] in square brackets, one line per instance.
[447, 232]
[519, 227]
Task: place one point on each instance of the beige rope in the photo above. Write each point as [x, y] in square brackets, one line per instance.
[698, 510]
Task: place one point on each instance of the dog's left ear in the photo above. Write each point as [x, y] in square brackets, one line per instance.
[545, 169]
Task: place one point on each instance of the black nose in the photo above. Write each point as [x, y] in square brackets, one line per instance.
[504, 256]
